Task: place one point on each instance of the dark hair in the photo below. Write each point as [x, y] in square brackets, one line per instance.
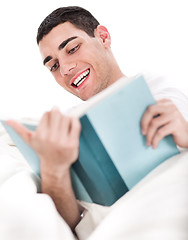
[79, 17]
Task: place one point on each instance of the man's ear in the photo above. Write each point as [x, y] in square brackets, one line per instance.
[104, 35]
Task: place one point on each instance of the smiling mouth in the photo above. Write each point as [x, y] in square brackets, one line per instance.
[80, 79]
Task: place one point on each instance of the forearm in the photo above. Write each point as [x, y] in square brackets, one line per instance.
[59, 188]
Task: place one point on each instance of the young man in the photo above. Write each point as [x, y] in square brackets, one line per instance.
[77, 51]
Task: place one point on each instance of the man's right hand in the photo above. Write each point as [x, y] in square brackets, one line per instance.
[56, 141]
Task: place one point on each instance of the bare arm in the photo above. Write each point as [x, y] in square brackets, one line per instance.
[168, 121]
[60, 190]
[56, 140]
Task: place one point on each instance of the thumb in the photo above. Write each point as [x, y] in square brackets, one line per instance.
[25, 133]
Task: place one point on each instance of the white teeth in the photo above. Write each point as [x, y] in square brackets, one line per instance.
[81, 78]
[80, 82]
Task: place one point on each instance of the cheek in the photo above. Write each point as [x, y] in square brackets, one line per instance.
[89, 55]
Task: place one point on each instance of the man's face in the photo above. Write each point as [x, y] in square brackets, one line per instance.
[79, 63]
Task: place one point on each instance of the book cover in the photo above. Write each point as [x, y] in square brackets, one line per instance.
[113, 155]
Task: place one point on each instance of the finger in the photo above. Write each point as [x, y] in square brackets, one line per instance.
[43, 127]
[65, 126]
[154, 126]
[151, 112]
[75, 128]
[146, 118]
[55, 122]
[161, 133]
[25, 133]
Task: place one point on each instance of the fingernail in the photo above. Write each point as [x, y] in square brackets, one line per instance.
[148, 143]
[154, 146]
[143, 132]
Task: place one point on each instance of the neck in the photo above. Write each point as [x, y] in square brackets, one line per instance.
[117, 74]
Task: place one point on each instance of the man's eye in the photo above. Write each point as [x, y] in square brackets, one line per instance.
[54, 67]
[74, 49]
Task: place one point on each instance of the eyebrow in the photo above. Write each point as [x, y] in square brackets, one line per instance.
[47, 59]
[61, 46]
[64, 43]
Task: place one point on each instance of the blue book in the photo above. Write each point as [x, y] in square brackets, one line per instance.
[113, 155]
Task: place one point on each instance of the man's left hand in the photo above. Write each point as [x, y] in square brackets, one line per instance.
[162, 119]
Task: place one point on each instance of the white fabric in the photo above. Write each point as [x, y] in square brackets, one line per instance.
[156, 208]
[24, 214]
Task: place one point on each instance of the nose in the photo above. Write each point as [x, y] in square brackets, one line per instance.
[67, 68]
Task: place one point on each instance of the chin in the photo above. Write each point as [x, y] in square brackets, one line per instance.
[87, 94]
[84, 98]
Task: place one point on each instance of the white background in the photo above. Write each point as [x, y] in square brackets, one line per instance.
[147, 35]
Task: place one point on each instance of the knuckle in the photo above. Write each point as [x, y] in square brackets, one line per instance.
[150, 109]
[64, 118]
[160, 133]
[46, 114]
[165, 100]
[142, 122]
[69, 148]
[68, 145]
[67, 118]
[175, 109]
[78, 125]
[175, 115]
[172, 106]
[41, 138]
[174, 112]
[55, 110]
[51, 142]
[154, 123]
